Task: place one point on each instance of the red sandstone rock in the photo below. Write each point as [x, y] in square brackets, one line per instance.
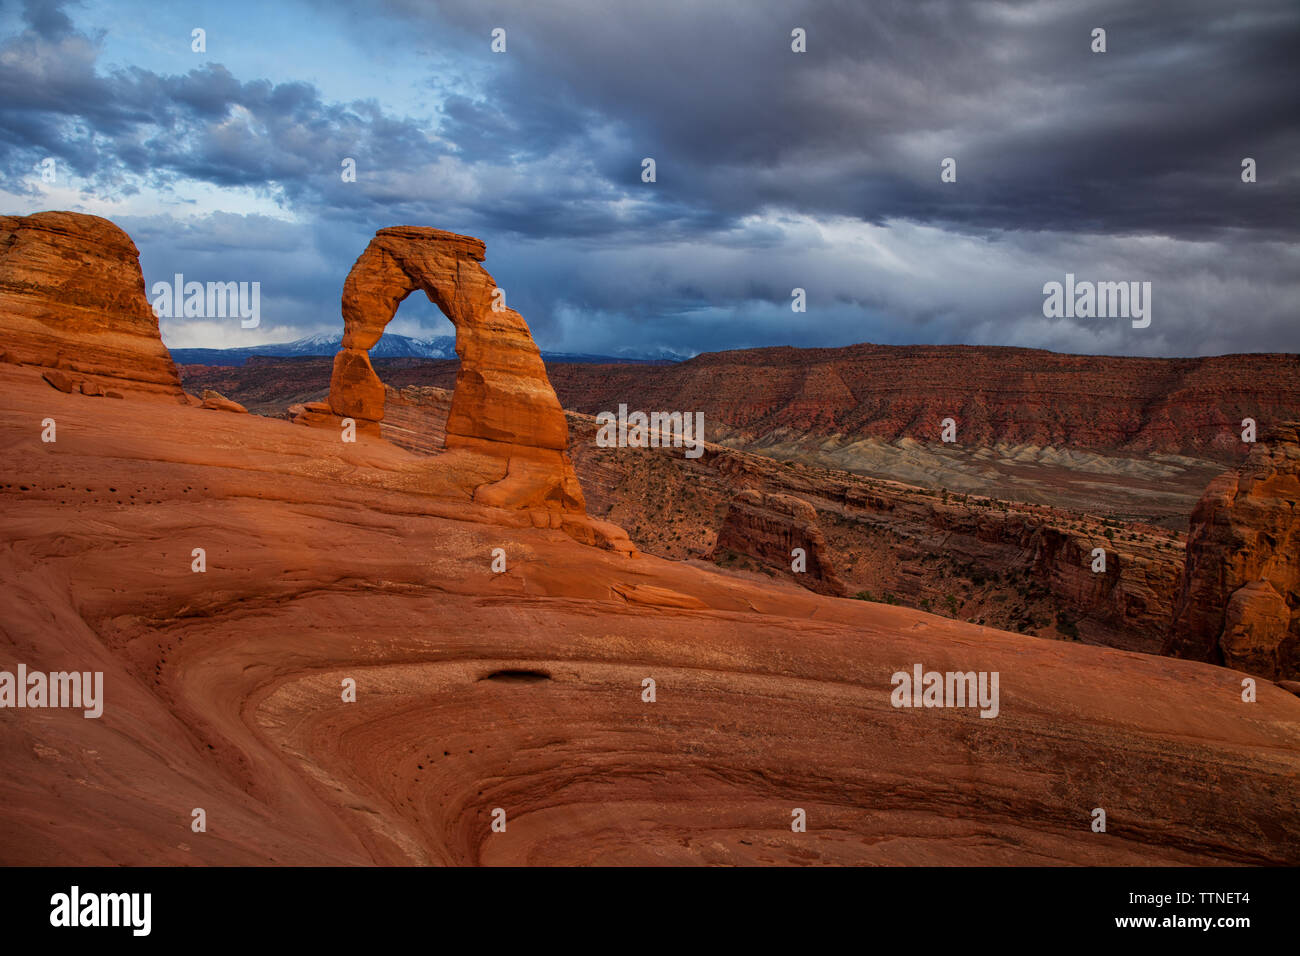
[218, 402]
[770, 527]
[503, 406]
[652, 596]
[355, 389]
[320, 415]
[1240, 601]
[329, 561]
[1255, 626]
[60, 380]
[72, 297]
[828, 398]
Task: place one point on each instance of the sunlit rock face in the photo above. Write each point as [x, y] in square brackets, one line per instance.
[1240, 603]
[503, 406]
[72, 298]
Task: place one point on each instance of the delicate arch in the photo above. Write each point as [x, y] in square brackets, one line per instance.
[502, 393]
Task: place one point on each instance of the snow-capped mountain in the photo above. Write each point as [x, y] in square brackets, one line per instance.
[392, 345]
[659, 354]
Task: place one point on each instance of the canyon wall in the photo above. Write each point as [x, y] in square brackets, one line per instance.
[1240, 601]
[756, 398]
[1018, 566]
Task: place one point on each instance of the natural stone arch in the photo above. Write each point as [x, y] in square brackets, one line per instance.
[502, 392]
[503, 405]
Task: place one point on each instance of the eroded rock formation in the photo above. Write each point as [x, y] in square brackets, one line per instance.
[1240, 602]
[503, 406]
[770, 527]
[72, 299]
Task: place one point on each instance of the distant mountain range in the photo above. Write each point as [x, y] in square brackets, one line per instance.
[393, 345]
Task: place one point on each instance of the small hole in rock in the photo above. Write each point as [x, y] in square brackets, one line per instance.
[518, 676]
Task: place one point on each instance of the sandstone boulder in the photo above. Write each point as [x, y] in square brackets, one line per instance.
[217, 402]
[72, 297]
[60, 380]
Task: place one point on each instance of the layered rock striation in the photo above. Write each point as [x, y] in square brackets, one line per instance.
[328, 562]
[831, 399]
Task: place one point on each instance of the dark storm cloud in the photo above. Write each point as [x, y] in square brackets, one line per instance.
[775, 169]
[1147, 137]
[46, 18]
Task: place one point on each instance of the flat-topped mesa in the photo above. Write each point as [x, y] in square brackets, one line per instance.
[503, 405]
[72, 299]
[1240, 601]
